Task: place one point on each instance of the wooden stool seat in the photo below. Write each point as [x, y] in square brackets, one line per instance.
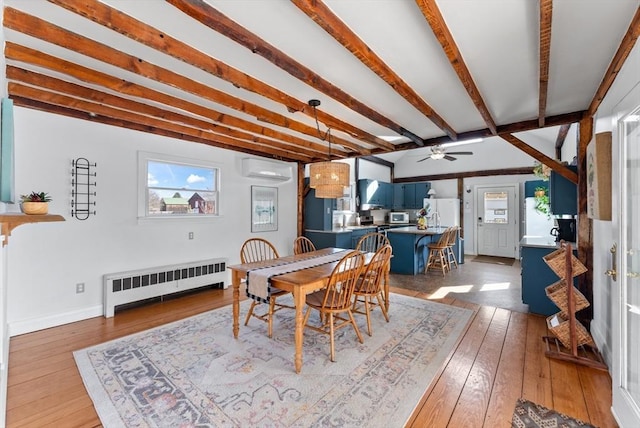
[438, 254]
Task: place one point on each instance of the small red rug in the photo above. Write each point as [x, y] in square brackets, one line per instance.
[531, 415]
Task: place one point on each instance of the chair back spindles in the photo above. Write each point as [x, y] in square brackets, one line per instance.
[372, 242]
[257, 250]
[302, 245]
[342, 282]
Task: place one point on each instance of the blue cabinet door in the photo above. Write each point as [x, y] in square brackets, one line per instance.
[398, 196]
[318, 212]
[422, 191]
[410, 195]
[563, 194]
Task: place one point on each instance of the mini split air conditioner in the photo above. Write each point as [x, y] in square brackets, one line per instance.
[264, 169]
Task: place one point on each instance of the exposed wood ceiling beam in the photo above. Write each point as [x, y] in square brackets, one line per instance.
[153, 38]
[628, 41]
[551, 163]
[26, 92]
[336, 28]
[466, 174]
[546, 14]
[212, 18]
[515, 127]
[26, 55]
[562, 135]
[83, 115]
[92, 95]
[35, 27]
[433, 16]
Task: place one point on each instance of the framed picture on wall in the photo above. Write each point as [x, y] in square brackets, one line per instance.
[264, 209]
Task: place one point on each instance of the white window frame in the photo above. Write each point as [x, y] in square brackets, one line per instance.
[143, 161]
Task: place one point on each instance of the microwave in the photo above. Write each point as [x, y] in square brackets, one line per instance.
[398, 218]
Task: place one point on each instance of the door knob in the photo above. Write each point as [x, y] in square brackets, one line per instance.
[612, 273]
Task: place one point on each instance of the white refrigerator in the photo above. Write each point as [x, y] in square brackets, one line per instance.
[535, 223]
[449, 210]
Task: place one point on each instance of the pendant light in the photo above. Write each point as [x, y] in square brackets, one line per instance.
[327, 178]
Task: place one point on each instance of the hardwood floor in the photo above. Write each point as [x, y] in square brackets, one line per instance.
[499, 359]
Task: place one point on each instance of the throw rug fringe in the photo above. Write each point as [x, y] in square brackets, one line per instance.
[194, 373]
[531, 415]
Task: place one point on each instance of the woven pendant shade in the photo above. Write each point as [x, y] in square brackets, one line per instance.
[329, 179]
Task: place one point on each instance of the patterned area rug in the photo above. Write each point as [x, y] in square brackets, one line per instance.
[532, 415]
[193, 373]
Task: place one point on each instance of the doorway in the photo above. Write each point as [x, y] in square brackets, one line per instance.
[496, 227]
[626, 298]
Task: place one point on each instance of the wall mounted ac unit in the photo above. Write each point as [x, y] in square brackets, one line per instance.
[267, 170]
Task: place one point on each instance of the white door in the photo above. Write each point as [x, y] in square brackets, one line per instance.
[497, 221]
[626, 322]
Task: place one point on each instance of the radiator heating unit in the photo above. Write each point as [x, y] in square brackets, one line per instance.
[133, 286]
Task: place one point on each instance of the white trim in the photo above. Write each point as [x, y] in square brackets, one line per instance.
[35, 324]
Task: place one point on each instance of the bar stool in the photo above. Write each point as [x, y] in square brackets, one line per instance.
[451, 255]
[438, 254]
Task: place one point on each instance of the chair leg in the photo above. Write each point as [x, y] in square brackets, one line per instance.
[331, 339]
[382, 306]
[367, 311]
[253, 305]
[355, 327]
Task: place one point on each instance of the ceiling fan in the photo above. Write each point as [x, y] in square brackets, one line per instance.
[439, 152]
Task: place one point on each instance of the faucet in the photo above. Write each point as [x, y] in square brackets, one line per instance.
[436, 219]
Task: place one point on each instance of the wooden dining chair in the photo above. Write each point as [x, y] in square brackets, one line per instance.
[256, 250]
[437, 258]
[302, 245]
[372, 242]
[369, 286]
[334, 302]
[451, 242]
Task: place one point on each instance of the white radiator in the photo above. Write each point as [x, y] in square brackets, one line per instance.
[133, 286]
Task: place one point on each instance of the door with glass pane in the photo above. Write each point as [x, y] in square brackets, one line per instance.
[497, 222]
[626, 365]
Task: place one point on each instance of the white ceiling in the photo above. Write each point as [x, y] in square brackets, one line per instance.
[498, 41]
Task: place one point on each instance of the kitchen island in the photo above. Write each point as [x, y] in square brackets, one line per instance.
[410, 250]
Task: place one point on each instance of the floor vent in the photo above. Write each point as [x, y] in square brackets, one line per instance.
[132, 286]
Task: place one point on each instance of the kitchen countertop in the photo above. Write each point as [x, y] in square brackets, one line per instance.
[542, 242]
[344, 229]
[415, 231]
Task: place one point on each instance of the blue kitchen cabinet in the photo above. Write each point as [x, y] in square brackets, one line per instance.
[386, 196]
[398, 196]
[356, 234]
[329, 239]
[414, 194]
[375, 192]
[318, 212]
[563, 194]
[536, 276]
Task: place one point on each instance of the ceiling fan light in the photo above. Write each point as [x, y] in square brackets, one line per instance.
[437, 155]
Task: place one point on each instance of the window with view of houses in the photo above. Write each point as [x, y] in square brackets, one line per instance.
[176, 188]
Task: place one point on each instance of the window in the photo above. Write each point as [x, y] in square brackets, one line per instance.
[176, 187]
[496, 206]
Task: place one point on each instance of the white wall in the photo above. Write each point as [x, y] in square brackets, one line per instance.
[46, 260]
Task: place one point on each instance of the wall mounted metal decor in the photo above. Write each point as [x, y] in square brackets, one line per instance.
[83, 191]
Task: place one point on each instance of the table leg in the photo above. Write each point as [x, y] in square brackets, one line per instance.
[235, 280]
[299, 298]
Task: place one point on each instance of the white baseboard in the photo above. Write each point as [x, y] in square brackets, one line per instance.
[601, 342]
[35, 324]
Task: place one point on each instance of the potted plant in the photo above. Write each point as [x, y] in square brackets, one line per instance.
[35, 203]
[540, 191]
[541, 171]
[542, 204]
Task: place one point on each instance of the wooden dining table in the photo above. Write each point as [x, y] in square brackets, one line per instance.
[299, 283]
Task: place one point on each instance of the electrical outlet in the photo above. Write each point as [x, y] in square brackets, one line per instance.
[80, 287]
[190, 235]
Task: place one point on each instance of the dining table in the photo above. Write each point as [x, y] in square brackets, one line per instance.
[299, 282]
